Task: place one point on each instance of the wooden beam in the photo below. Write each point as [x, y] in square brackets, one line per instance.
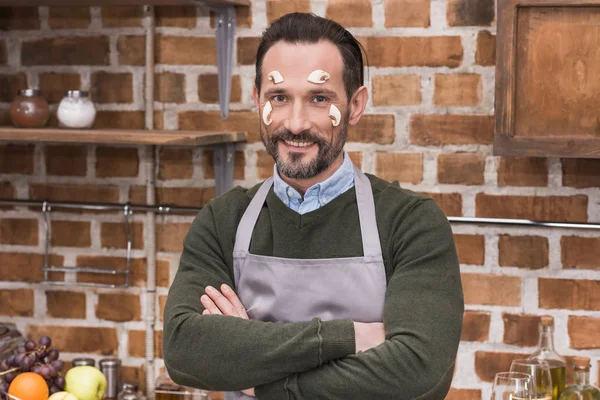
[111, 3]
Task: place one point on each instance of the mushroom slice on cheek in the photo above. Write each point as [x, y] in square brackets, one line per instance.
[275, 77]
[318, 76]
[266, 113]
[335, 115]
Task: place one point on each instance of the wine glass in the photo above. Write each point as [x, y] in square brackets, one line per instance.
[513, 386]
[540, 371]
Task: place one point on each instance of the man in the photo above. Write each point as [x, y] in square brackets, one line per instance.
[321, 282]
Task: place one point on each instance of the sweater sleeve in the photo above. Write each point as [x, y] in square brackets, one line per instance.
[422, 318]
[215, 352]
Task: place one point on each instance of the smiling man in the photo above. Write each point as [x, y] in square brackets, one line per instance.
[321, 282]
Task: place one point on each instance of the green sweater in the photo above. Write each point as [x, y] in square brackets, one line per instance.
[422, 314]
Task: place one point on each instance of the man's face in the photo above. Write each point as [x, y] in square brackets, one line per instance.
[301, 137]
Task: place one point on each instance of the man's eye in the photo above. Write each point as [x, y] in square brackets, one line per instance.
[278, 98]
[319, 99]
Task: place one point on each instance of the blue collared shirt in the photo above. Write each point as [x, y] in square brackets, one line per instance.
[318, 194]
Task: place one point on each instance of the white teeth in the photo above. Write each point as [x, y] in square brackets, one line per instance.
[298, 144]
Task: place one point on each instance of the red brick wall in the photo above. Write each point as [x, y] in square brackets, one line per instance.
[429, 124]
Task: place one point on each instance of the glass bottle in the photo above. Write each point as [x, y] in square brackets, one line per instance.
[29, 109]
[76, 110]
[546, 352]
[581, 389]
[130, 391]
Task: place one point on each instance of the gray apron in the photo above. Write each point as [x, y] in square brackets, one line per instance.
[296, 290]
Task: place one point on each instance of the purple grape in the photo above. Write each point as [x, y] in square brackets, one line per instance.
[33, 356]
[60, 382]
[3, 386]
[26, 364]
[45, 372]
[52, 370]
[45, 341]
[36, 369]
[3, 366]
[8, 378]
[52, 355]
[19, 359]
[30, 345]
[54, 389]
[11, 360]
[57, 365]
[21, 350]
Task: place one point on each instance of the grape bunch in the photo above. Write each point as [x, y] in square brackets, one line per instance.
[33, 357]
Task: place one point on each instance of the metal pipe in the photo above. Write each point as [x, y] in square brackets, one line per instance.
[525, 222]
[162, 209]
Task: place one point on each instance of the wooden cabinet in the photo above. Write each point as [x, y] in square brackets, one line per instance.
[548, 79]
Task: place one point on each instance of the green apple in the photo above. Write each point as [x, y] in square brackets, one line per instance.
[85, 382]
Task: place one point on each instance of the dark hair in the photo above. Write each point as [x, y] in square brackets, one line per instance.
[310, 28]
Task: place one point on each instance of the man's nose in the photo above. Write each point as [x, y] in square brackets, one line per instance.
[298, 121]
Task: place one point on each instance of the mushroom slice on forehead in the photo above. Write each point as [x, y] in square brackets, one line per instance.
[275, 76]
[318, 76]
[266, 113]
[335, 115]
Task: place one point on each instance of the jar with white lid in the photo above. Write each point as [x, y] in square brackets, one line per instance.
[76, 110]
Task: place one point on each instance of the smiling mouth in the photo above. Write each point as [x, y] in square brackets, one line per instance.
[298, 144]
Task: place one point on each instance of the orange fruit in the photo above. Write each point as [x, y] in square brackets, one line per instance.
[29, 386]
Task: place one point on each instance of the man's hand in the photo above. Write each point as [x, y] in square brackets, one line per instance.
[368, 335]
[225, 303]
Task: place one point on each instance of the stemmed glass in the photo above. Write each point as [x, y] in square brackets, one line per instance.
[540, 371]
[513, 386]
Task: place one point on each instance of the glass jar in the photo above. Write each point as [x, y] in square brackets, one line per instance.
[130, 391]
[545, 352]
[76, 110]
[29, 109]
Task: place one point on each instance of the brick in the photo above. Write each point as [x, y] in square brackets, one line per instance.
[75, 193]
[243, 17]
[470, 12]
[71, 234]
[184, 50]
[521, 329]
[170, 236]
[68, 50]
[16, 303]
[403, 167]
[397, 90]
[25, 267]
[450, 203]
[119, 307]
[75, 339]
[374, 128]
[176, 16]
[208, 88]
[122, 17]
[69, 17]
[350, 13]
[356, 158]
[581, 172]
[476, 326]
[470, 248]
[65, 304]
[264, 164]
[162, 301]
[19, 231]
[169, 87]
[137, 274]
[17, 159]
[486, 289]
[246, 50]
[240, 121]
[162, 273]
[550, 208]
[426, 51]
[175, 163]
[238, 168]
[132, 50]
[485, 53]
[3, 54]
[134, 374]
[523, 251]
[461, 168]
[117, 162]
[583, 332]
[125, 120]
[10, 84]
[180, 196]
[463, 394]
[522, 171]
[457, 90]
[137, 343]
[7, 191]
[278, 8]
[580, 252]
[113, 235]
[66, 160]
[570, 294]
[407, 13]
[19, 18]
[109, 87]
[55, 85]
[437, 130]
[488, 364]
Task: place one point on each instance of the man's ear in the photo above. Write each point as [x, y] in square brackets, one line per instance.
[358, 105]
[256, 97]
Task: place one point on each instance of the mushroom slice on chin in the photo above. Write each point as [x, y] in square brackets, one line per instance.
[275, 77]
[266, 113]
[318, 76]
[335, 115]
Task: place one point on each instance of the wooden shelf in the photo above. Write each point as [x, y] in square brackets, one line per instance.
[109, 3]
[121, 136]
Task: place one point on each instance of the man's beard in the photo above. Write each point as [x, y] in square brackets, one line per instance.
[294, 167]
